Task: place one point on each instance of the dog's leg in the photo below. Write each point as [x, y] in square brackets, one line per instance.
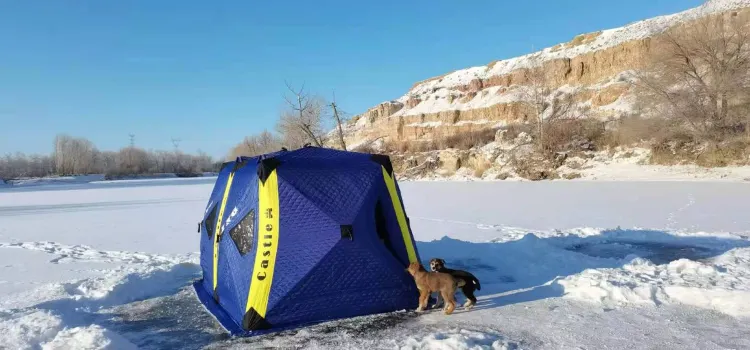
[450, 302]
[438, 302]
[423, 295]
[468, 291]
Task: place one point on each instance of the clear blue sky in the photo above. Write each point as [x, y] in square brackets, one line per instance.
[211, 72]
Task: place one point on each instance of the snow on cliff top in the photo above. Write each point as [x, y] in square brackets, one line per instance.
[606, 39]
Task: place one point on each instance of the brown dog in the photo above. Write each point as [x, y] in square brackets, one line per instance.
[429, 282]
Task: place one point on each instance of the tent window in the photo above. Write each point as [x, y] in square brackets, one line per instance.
[211, 223]
[242, 234]
[347, 232]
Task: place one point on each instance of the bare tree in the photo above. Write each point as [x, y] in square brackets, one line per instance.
[132, 161]
[20, 165]
[202, 161]
[74, 156]
[547, 105]
[253, 145]
[700, 73]
[106, 162]
[83, 152]
[62, 155]
[303, 122]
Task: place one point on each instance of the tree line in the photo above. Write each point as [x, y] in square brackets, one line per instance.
[303, 122]
[79, 156]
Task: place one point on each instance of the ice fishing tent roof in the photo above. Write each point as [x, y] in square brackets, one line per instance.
[299, 237]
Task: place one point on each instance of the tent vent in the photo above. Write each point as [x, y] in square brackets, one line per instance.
[384, 161]
[243, 233]
[224, 165]
[266, 167]
[347, 231]
[239, 163]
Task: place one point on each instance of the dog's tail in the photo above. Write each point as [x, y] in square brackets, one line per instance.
[476, 282]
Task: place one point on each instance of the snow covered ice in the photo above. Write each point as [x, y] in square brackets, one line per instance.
[584, 264]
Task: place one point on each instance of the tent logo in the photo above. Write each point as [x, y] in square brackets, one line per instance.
[267, 243]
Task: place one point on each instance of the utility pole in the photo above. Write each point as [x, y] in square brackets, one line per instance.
[338, 122]
[176, 144]
[130, 151]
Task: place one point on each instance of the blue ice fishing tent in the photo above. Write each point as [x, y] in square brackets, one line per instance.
[299, 237]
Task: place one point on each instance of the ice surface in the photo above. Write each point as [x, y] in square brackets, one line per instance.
[636, 264]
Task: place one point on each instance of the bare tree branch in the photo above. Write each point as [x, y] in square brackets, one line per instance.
[303, 124]
[700, 74]
[547, 105]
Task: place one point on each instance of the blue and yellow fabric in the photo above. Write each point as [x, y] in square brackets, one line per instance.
[295, 238]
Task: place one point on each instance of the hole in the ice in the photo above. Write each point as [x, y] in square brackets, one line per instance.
[658, 253]
[470, 265]
[506, 279]
[172, 321]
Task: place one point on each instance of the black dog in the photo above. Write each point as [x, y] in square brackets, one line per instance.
[467, 282]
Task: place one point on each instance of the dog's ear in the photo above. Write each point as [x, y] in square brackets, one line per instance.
[441, 261]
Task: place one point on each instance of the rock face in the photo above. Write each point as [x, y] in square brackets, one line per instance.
[595, 68]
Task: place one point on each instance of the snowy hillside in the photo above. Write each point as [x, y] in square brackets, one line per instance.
[616, 265]
[438, 88]
[443, 127]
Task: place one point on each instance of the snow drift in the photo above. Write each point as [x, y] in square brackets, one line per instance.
[721, 284]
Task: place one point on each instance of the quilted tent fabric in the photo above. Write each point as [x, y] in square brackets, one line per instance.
[339, 252]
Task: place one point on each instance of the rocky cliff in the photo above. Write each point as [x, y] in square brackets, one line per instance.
[596, 68]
